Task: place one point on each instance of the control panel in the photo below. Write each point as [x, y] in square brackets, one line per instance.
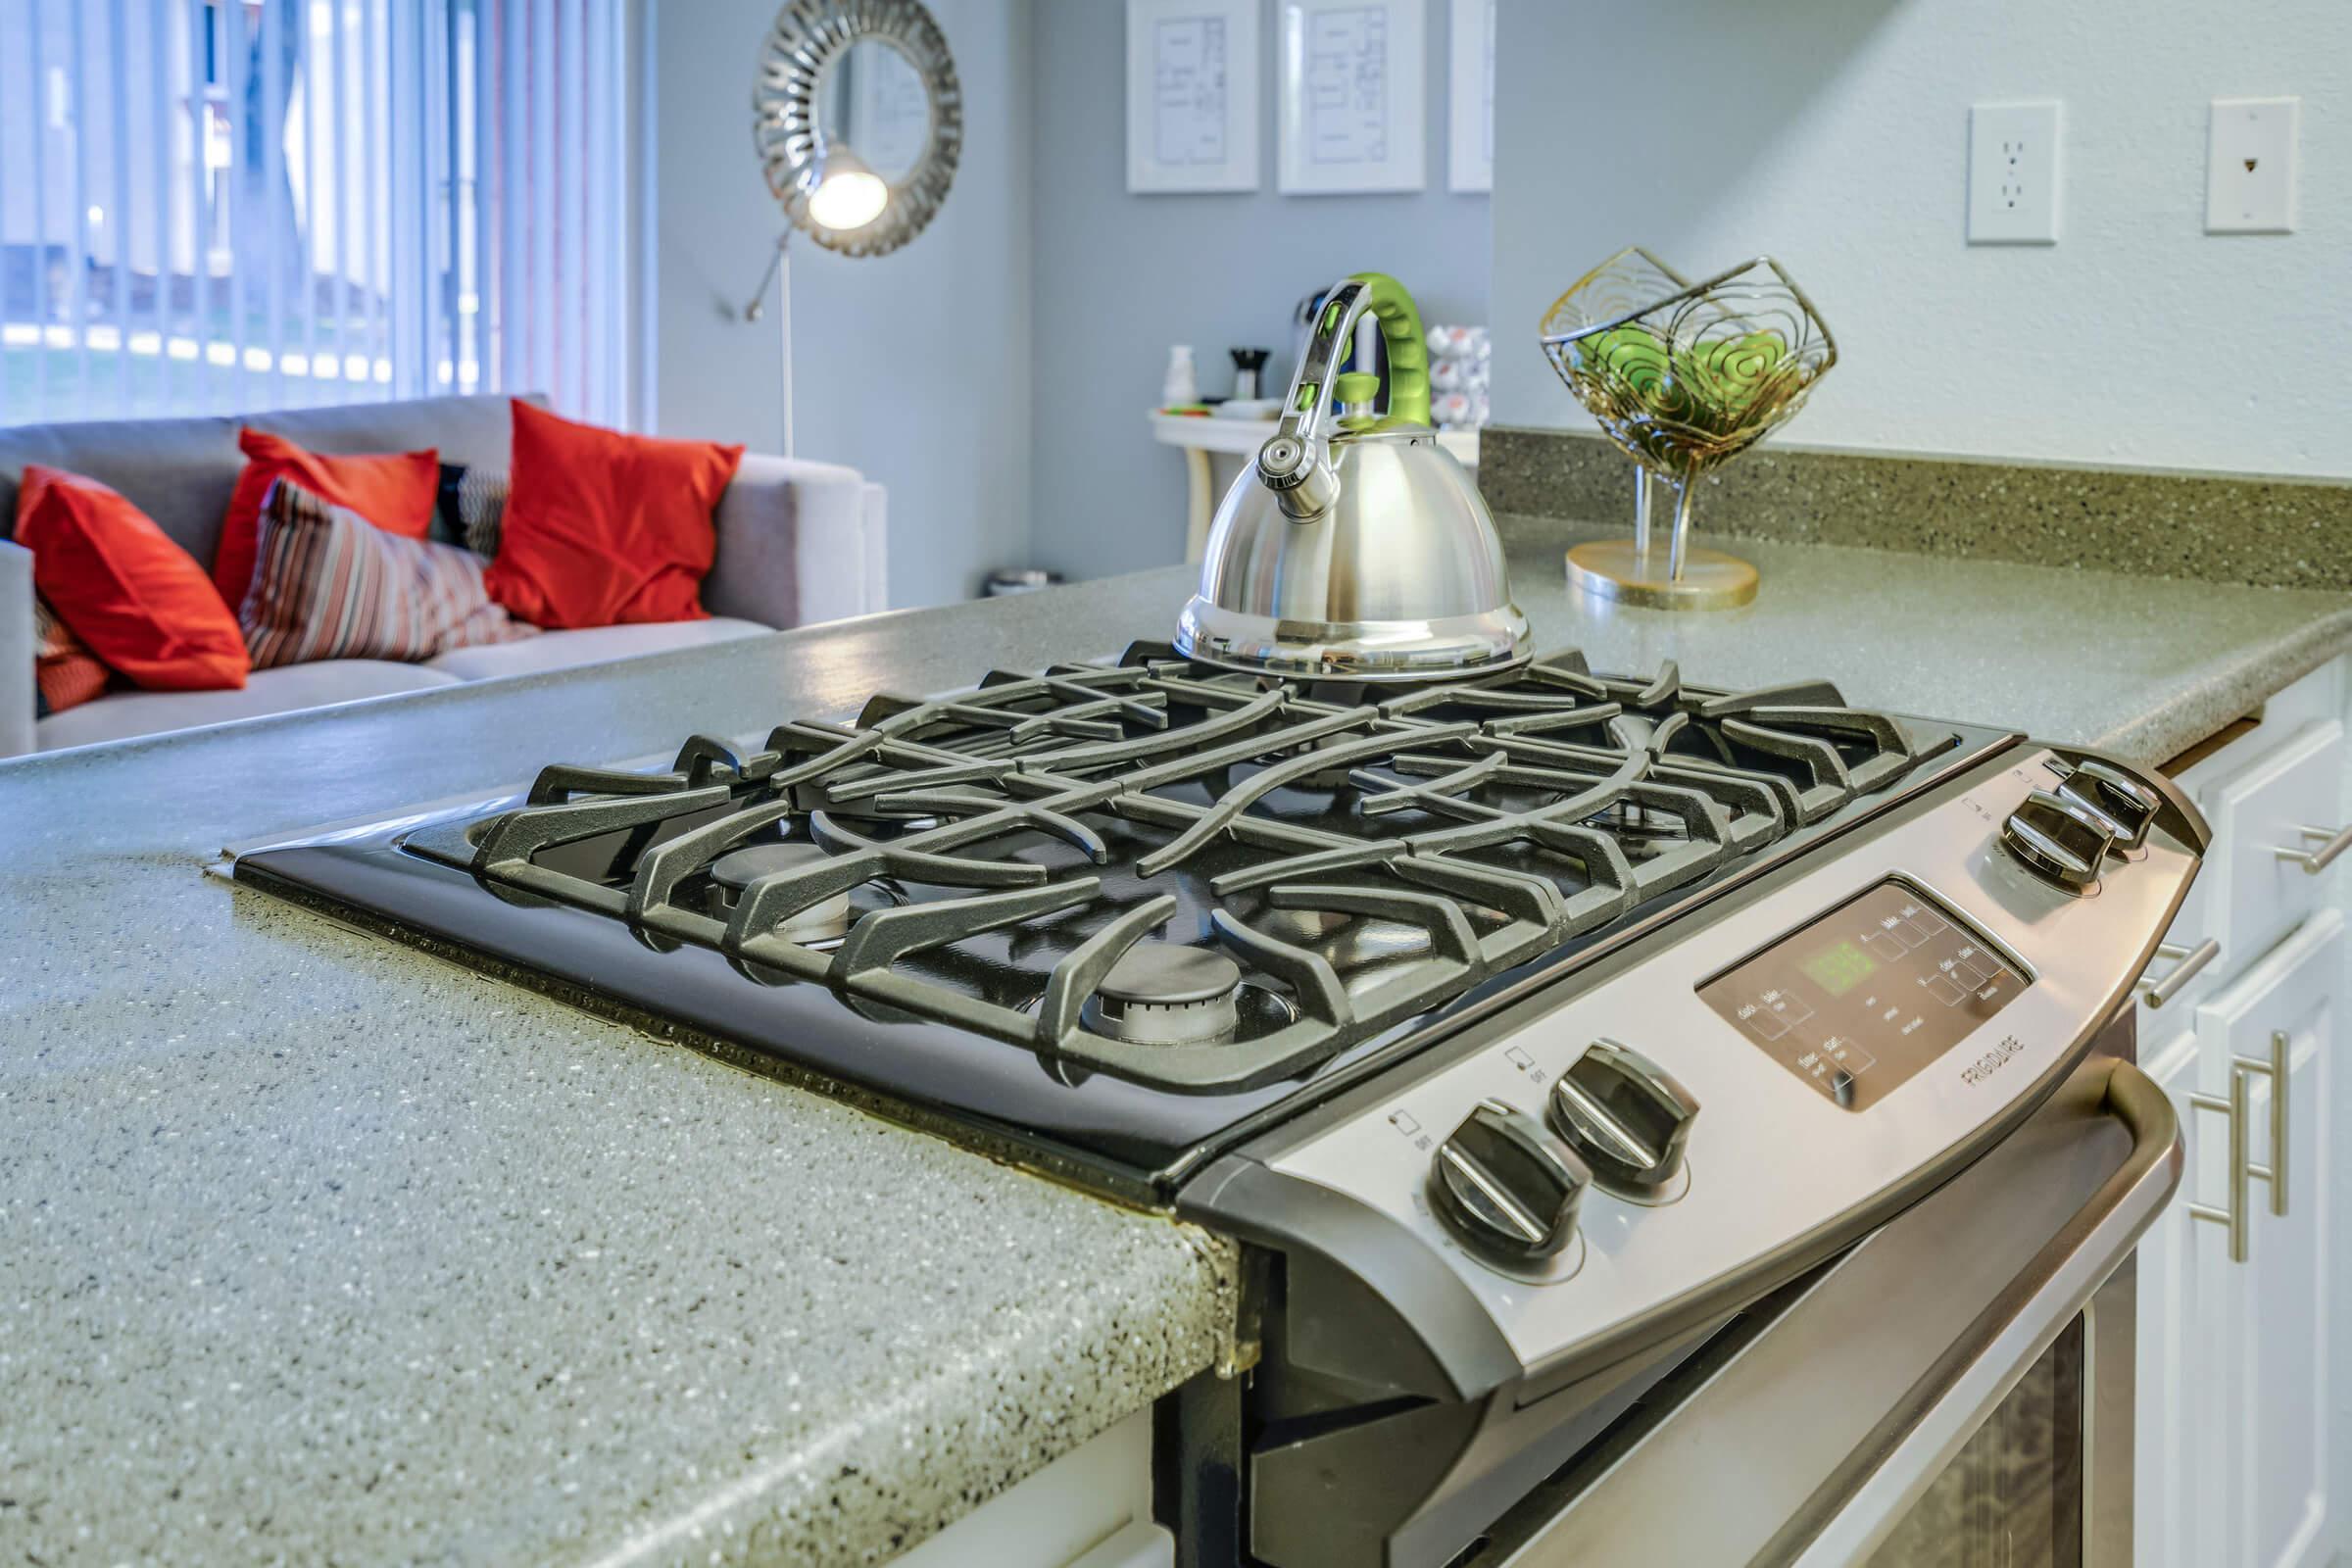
[1777, 1066]
[1857, 1001]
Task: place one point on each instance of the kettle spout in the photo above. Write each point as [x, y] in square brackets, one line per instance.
[1298, 470]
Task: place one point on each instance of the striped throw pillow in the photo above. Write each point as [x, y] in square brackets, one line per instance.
[65, 672]
[329, 584]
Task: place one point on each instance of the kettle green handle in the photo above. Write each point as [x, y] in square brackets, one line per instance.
[1409, 346]
[1295, 462]
[1399, 327]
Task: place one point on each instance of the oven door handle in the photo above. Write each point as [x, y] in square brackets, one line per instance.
[1812, 1432]
[2079, 1261]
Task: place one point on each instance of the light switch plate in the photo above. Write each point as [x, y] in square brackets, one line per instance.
[2250, 166]
[2013, 173]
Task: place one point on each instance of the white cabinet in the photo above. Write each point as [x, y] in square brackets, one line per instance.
[1090, 1508]
[2186, 1389]
[2236, 1361]
[2240, 1448]
[2257, 791]
[2251, 894]
[2276, 1033]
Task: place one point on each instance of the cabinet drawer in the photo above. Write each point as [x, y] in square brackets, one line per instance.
[2316, 698]
[2249, 896]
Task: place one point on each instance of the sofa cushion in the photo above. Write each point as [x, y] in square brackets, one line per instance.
[473, 430]
[121, 714]
[330, 584]
[561, 649]
[393, 490]
[138, 599]
[181, 473]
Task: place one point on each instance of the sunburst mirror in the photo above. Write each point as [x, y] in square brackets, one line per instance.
[858, 120]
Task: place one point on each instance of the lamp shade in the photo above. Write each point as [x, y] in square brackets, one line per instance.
[846, 193]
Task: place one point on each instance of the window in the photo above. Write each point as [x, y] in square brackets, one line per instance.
[213, 206]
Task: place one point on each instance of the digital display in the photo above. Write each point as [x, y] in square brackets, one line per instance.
[1860, 999]
[1838, 969]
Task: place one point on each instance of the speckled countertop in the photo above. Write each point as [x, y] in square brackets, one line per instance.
[314, 1249]
[2143, 668]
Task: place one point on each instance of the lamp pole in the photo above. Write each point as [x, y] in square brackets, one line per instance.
[779, 272]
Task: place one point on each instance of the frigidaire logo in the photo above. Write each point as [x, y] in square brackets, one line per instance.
[1984, 1066]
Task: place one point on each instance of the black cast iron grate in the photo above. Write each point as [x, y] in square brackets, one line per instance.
[1364, 856]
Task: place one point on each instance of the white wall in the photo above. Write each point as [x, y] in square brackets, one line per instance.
[1120, 277]
[914, 368]
[1832, 134]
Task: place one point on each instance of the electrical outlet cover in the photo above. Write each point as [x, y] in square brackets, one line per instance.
[2013, 173]
[2250, 166]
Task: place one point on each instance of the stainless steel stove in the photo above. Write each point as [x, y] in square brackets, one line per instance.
[1533, 1029]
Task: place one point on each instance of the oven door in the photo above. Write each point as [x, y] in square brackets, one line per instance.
[1954, 1391]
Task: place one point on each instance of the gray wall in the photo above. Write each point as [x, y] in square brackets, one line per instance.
[914, 368]
[1120, 277]
[996, 374]
[1834, 133]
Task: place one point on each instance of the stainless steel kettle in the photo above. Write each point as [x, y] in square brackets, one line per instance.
[1355, 548]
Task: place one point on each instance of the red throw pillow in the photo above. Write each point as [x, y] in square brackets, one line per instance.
[603, 528]
[395, 490]
[65, 672]
[134, 597]
[327, 585]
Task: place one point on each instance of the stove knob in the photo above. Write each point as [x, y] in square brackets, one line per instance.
[1506, 1186]
[2114, 797]
[2058, 840]
[1626, 1117]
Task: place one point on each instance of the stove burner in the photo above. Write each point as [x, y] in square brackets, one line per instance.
[1350, 942]
[1306, 928]
[1162, 994]
[821, 921]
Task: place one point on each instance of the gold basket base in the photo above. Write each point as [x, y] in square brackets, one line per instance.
[1710, 579]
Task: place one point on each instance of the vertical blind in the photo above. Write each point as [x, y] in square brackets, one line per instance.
[213, 205]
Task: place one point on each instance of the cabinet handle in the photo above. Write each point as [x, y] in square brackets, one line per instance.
[2188, 961]
[2274, 1069]
[2232, 1214]
[2332, 843]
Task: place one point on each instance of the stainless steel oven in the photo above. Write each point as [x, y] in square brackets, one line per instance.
[1665, 1124]
[1955, 1391]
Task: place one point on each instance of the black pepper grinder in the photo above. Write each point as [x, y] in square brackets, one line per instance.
[1246, 363]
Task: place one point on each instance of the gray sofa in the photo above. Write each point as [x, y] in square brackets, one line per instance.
[798, 542]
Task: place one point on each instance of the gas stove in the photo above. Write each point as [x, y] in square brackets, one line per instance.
[1530, 1026]
[1108, 917]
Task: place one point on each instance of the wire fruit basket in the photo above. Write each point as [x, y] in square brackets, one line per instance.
[1684, 378]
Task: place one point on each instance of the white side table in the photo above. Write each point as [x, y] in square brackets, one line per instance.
[1215, 449]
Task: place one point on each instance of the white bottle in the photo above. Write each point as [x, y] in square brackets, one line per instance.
[1178, 386]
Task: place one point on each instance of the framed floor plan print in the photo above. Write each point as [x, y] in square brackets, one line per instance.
[1192, 95]
[1470, 97]
[1352, 95]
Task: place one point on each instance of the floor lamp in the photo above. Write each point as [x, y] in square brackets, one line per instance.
[834, 75]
